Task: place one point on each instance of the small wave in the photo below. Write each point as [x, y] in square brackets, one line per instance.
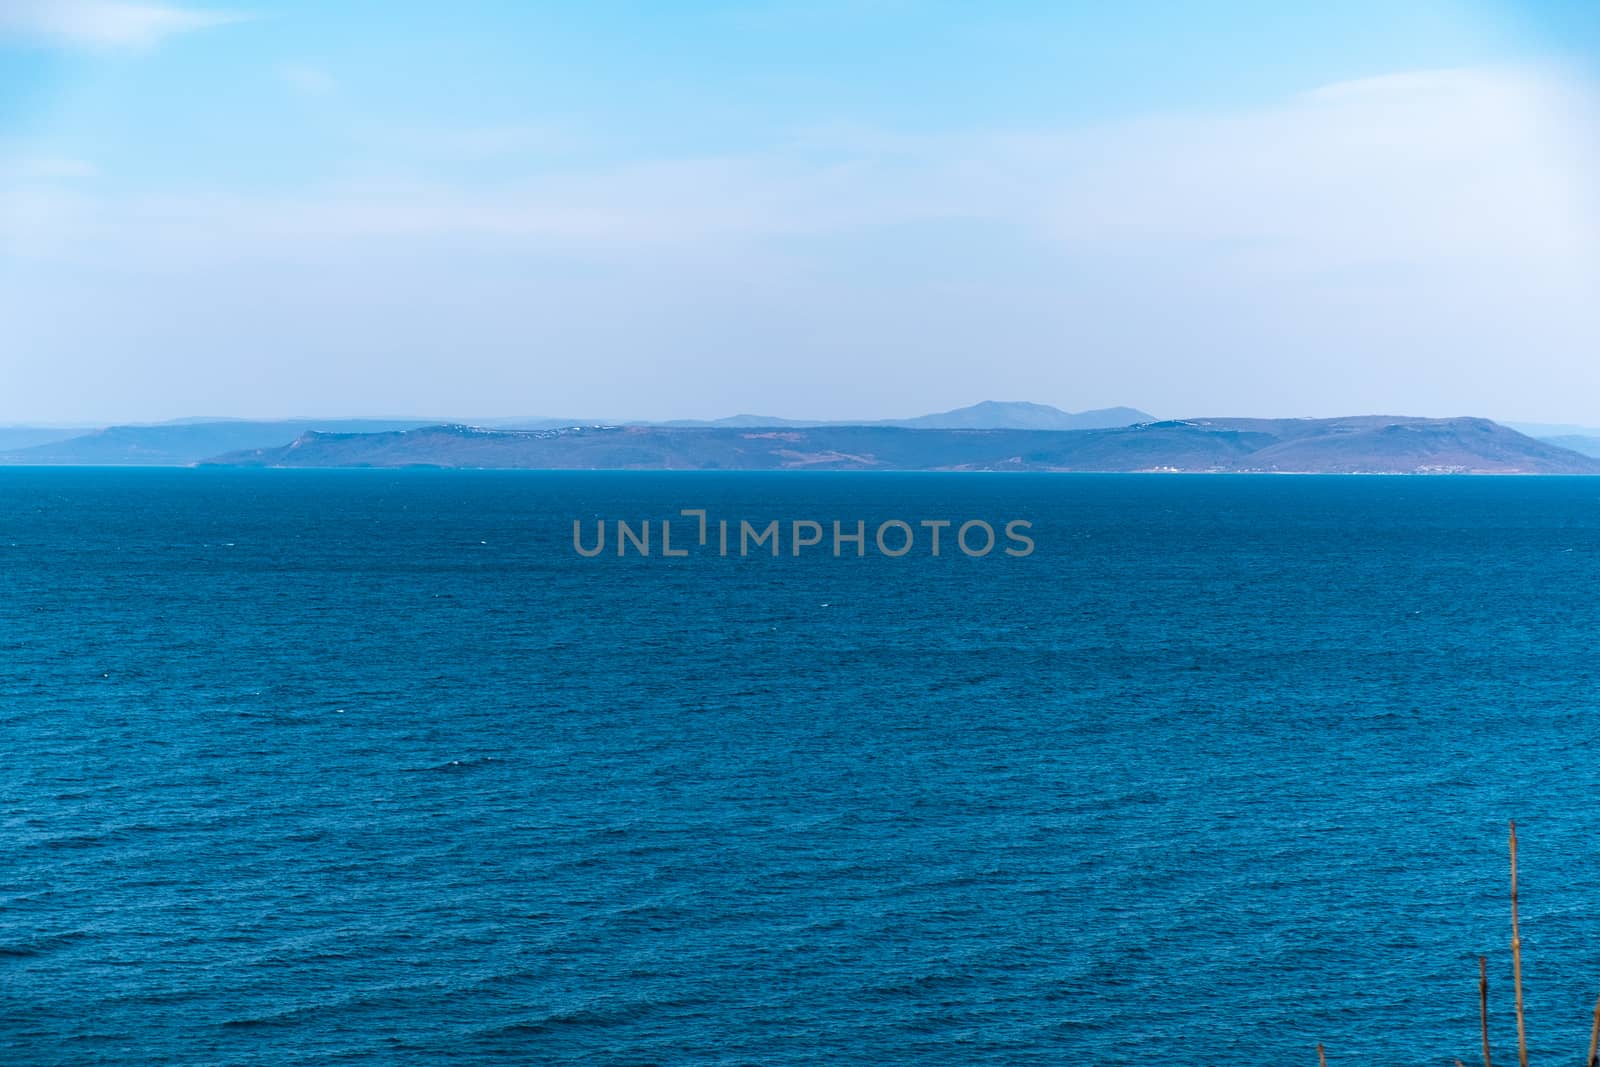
[578, 1018]
[286, 1019]
[97, 838]
[457, 766]
[40, 946]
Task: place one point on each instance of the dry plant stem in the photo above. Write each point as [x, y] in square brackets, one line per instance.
[1516, 955]
[1322, 1059]
[1483, 1007]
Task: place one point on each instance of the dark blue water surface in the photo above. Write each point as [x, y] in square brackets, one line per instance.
[372, 767]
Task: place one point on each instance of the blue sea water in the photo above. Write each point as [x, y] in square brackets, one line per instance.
[363, 767]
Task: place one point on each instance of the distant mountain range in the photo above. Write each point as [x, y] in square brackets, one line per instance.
[986, 415]
[186, 441]
[1365, 444]
[991, 435]
[1585, 439]
[179, 444]
[1588, 446]
[15, 437]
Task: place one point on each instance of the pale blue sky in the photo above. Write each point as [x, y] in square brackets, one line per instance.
[867, 208]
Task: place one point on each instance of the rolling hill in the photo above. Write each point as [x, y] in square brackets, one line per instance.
[179, 444]
[1363, 444]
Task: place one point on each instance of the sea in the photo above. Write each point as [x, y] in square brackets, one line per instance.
[375, 767]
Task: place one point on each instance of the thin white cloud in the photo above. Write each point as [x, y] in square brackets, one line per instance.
[311, 81]
[106, 23]
[46, 168]
[1418, 168]
[467, 143]
[1424, 242]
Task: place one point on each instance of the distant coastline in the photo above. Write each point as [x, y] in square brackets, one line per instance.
[1364, 445]
[987, 437]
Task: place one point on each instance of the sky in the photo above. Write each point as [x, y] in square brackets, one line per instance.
[822, 209]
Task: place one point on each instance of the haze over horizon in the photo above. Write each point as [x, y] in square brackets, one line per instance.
[509, 420]
[811, 211]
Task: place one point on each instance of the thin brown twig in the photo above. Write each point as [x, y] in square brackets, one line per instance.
[1483, 1007]
[1322, 1059]
[1516, 954]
